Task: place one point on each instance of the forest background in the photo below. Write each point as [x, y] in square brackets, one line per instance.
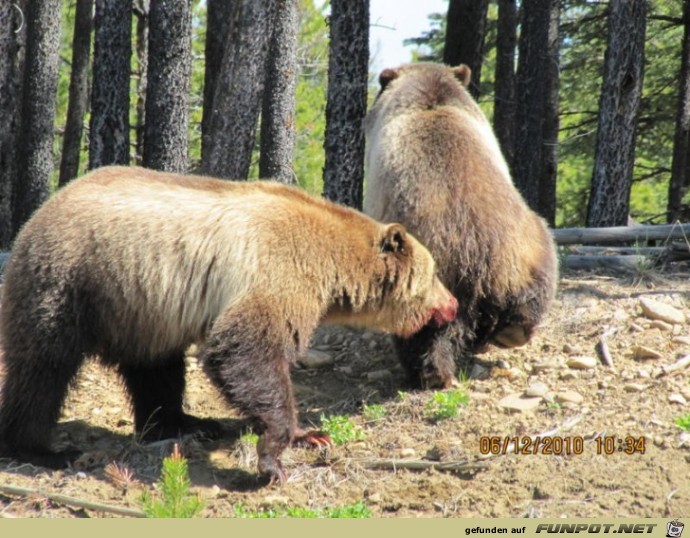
[572, 84]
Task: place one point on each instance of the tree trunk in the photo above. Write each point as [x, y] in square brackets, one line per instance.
[531, 95]
[680, 167]
[464, 42]
[142, 8]
[348, 71]
[609, 201]
[109, 129]
[549, 149]
[218, 16]
[38, 108]
[238, 91]
[78, 91]
[278, 112]
[167, 93]
[12, 47]
[504, 86]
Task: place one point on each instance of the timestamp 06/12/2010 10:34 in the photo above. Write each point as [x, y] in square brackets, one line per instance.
[561, 445]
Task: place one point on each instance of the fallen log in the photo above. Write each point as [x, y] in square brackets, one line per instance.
[630, 262]
[569, 236]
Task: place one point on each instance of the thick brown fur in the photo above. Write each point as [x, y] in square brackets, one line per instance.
[132, 266]
[433, 164]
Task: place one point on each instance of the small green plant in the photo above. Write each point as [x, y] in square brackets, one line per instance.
[351, 511]
[444, 405]
[341, 429]
[402, 395]
[374, 412]
[684, 422]
[175, 500]
[249, 438]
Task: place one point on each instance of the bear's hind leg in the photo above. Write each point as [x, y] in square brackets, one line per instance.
[156, 390]
[31, 399]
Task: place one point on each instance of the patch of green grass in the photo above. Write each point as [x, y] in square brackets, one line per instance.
[351, 511]
[173, 500]
[684, 422]
[445, 404]
[374, 412]
[341, 429]
[249, 438]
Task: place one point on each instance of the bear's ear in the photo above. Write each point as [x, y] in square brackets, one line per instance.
[394, 239]
[463, 73]
[386, 76]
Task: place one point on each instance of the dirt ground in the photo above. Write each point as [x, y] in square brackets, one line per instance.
[578, 400]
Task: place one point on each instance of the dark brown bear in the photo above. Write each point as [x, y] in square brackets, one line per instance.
[433, 164]
[132, 266]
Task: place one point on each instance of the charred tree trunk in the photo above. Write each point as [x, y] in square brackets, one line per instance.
[78, 91]
[167, 93]
[464, 42]
[504, 86]
[218, 16]
[549, 149]
[12, 46]
[532, 94]
[680, 167]
[109, 128]
[278, 112]
[142, 9]
[609, 201]
[35, 157]
[238, 90]
[348, 71]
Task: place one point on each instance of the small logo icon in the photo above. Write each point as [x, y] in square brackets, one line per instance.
[674, 529]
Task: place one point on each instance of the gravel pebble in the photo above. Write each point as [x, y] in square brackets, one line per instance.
[536, 389]
[379, 375]
[517, 402]
[643, 352]
[569, 396]
[652, 309]
[314, 358]
[582, 362]
[677, 399]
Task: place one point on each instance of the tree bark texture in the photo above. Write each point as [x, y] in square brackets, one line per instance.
[531, 96]
[109, 128]
[78, 91]
[464, 42]
[142, 8]
[238, 91]
[278, 111]
[218, 16]
[35, 155]
[549, 149]
[348, 71]
[609, 201]
[12, 48]
[680, 167]
[504, 85]
[167, 99]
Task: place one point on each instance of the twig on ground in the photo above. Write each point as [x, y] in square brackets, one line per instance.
[72, 501]
[602, 349]
[422, 465]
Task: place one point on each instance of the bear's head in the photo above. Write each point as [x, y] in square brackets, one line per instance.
[421, 86]
[404, 293]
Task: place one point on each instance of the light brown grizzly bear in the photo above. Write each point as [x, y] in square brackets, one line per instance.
[434, 165]
[132, 266]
